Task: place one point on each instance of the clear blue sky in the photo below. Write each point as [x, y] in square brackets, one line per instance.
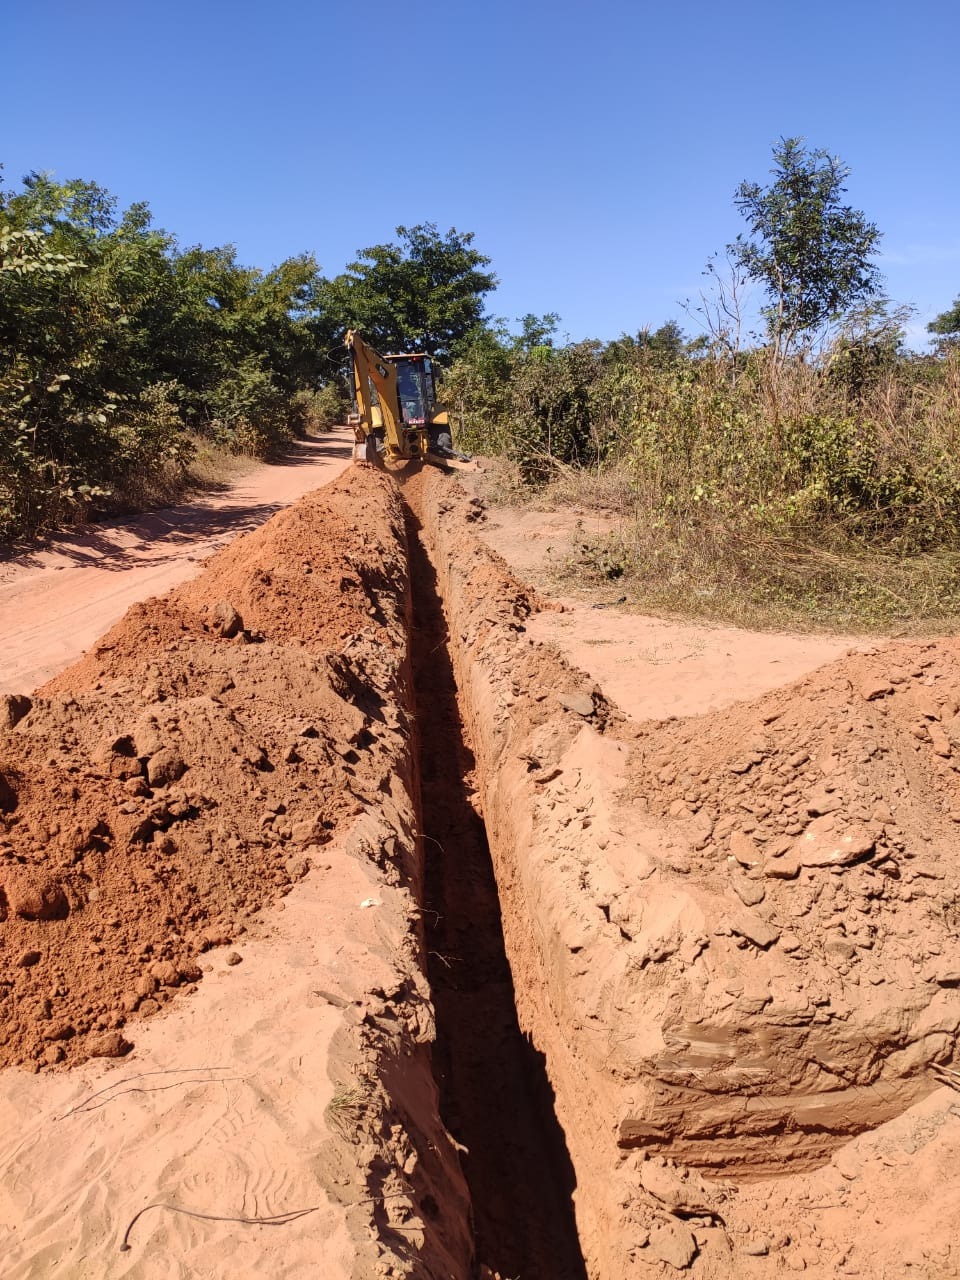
[592, 148]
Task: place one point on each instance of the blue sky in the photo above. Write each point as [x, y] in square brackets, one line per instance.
[593, 148]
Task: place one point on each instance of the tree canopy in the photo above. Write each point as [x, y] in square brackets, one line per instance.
[118, 347]
[948, 322]
[811, 252]
[424, 294]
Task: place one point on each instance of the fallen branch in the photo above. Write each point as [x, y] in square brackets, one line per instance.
[946, 1075]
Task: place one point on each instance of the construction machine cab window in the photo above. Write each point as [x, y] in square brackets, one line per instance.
[412, 391]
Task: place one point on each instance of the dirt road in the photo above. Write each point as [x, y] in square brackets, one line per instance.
[57, 599]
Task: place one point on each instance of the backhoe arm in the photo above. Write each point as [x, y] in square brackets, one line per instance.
[370, 368]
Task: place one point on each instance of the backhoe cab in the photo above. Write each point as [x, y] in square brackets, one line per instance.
[397, 413]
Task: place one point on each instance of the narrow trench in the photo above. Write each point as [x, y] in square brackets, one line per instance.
[495, 1097]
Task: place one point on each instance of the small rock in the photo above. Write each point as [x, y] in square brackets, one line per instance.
[822, 801]
[147, 1008]
[109, 1044]
[787, 868]
[744, 849]
[166, 973]
[750, 892]
[926, 704]
[258, 757]
[28, 959]
[943, 971]
[165, 767]
[580, 704]
[684, 1191]
[306, 832]
[821, 845]
[215, 938]
[757, 1248]
[53, 1054]
[13, 707]
[754, 930]
[745, 763]
[673, 1245]
[226, 621]
[234, 958]
[873, 687]
[33, 895]
[939, 740]
[297, 867]
[59, 1031]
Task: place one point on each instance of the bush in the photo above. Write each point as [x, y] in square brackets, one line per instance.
[806, 486]
[318, 411]
[250, 413]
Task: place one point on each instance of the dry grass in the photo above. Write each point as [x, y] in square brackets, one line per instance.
[715, 570]
[769, 497]
[346, 1109]
[212, 467]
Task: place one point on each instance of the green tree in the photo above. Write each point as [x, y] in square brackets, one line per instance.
[115, 346]
[424, 294]
[809, 250]
[947, 323]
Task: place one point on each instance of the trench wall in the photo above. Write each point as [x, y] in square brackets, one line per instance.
[507, 687]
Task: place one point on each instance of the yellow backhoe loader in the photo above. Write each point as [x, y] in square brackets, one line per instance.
[397, 415]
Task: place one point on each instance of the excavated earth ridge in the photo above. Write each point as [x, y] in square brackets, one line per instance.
[732, 939]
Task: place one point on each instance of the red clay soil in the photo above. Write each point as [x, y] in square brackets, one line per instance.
[186, 772]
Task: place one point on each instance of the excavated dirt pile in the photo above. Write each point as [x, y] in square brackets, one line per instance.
[810, 851]
[250, 729]
[189, 769]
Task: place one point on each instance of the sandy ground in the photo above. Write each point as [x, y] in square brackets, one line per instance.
[59, 597]
[220, 1111]
[651, 667]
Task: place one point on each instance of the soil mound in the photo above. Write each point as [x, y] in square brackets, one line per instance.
[192, 767]
[810, 840]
